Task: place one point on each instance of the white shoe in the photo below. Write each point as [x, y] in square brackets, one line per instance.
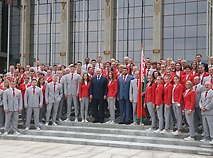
[83, 120]
[108, 122]
[46, 124]
[38, 129]
[164, 131]
[5, 133]
[189, 139]
[27, 128]
[16, 133]
[59, 119]
[86, 121]
[76, 120]
[202, 134]
[40, 123]
[112, 123]
[211, 142]
[150, 130]
[157, 131]
[67, 120]
[171, 131]
[134, 123]
[54, 124]
[204, 140]
[176, 133]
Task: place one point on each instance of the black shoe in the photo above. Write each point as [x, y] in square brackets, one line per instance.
[121, 123]
[128, 123]
[101, 121]
[95, 121]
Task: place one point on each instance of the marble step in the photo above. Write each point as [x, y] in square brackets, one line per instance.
[115, 137]
[207, 150]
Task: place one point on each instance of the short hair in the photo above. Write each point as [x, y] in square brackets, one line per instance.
[93, 60]
[177, 77]
[199, 55]
[187, 67]
[72, 65]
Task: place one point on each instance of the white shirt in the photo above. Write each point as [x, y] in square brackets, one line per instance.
[173, 93]
[178, 73]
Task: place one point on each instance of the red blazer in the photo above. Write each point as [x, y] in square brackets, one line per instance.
[159, 95]
[104, 73]
[182, 73]
[84, 90]
[150, 93]
[178, 93]
[167, 94]
[171, 78]
[49, 79]
[184, 80]
[189, 100]
[112, 89]
[23, 89]
[204, 75]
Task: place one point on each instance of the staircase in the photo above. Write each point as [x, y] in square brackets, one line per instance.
[123, 136]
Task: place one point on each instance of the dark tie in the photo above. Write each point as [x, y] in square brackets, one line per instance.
[59, 81]
[124, 78]
[98, 78]
[13, 92]
[147, 72]
[72, 77]
[195, 88]
[206, 94]
[54, 87]
[137, 83]
[33, 90]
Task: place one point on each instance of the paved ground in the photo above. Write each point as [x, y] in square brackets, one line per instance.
[25, 149]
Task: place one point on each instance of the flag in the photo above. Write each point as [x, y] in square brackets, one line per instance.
[142, 87]
[9, 2]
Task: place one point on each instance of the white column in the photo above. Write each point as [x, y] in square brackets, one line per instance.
[100, 16]
[117, 28]
[83, 32]
[8, 39]
[37, 22]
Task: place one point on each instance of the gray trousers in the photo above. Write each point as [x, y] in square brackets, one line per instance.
[84, 107]
[168, 117]
[134, 112]
[160, 116]
[2, 115]
[36, 116]
[152, 113]
[190, 121]
[51, 106]
[42, 112]
[197, 118]
[178, 115]
[71, 98]
[208, 126]
[11, 117]
[111, 105]
[60, 107]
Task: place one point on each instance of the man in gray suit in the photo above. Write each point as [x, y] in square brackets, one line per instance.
[206, 106]
[133, 95]
[1, 109]
[61, 103]
[199, 89]
[71, 88]
[12, 100]
[210, 77]
[53, 96]
[33, 101]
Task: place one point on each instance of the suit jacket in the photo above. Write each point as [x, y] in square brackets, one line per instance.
[182, 73]
[207, 103]
[49, 79]
[184, 80]
[202, 78]
[52, 96]
[206, 79]
[168, 94]
[189, 100]
[133, 91]
[33, 100]
[159, 95]
[123, 88]
[112, 89]
[71, 87]
[85, 68]
[1, 97]
[23, 88]
[98, 88]
[150, 93]
[199, 90]
[10, 102]
[178, 93]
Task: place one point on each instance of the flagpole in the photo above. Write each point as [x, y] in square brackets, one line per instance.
[36, 48]
[8, 39]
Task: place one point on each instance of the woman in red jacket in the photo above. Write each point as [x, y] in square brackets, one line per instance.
[84, 96]
[189, 98]
[187, 77]
[42, 85]
[177, 96]
[112, 92]
[149, 101]
[159, 103]
[167, 105]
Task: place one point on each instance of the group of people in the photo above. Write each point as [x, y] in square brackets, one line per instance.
[176, 94]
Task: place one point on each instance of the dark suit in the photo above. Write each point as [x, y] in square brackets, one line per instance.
[98, 89]
[123, 95]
